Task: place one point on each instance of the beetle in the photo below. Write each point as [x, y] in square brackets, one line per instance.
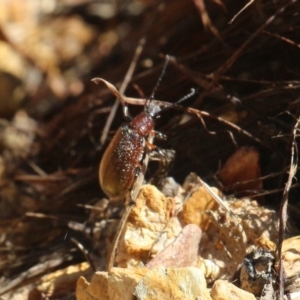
[122, 160]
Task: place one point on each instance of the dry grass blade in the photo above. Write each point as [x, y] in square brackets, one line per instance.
[289, 41]
[219, 201]
[123, 87]
[247, 5]
[124, 99]
[111, 87]
[207, 23]
[200, 113]
[247, 83]
[49, 263]
[193, 111]
[227, 65]
[284, 204]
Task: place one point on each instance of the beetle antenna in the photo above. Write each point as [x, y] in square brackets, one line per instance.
[160, 77]
[192, 93]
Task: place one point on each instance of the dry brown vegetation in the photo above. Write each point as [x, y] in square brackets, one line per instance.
[52, 116]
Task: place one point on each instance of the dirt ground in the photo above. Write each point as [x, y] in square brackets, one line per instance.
[243, 62]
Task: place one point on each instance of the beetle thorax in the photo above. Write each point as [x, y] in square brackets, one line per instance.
[143, 124]
[152, 109]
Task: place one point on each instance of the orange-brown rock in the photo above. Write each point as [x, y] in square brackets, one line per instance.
[194, 209]
[224, 290]
[118, 284]
[243, 165]
[160, 283]
[149, 229]
[173, 283]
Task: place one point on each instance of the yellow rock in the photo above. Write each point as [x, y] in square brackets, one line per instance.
[223, 290]
[291, 256]
[194, 210]
[81, 290]
[122, 282]
[172, 283]
[118, 284]
[161, 283]
[183, 252]
[149, 229]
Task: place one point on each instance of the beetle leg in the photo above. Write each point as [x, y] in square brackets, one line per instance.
[165, 158]
[159, 135]
[162, 155]
[137, 171]
[126, 113]
[151, 147]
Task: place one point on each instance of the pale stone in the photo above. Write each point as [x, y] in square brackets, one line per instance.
[183, 252]
[224, 290]
[291, 256]
[153, 224]
[291, 265]
[173, 283]
[150, 227]
[211, 270]
[122, 282]
[226, 236]
[81, 290]
[161, 283]
[256, 271]
[118, 284]
[229, 241]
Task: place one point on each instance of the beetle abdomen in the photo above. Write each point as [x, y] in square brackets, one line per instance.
[120, 162]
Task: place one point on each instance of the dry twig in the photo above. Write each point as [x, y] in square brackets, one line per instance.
[284, 204]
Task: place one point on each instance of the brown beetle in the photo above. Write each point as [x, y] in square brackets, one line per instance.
[121, 161]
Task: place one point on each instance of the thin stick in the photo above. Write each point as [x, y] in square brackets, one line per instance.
[289, 41]
[237, 14]
[128, 76]
[218, 200]
[215, 76]
[227, 65]
[198, 113]
[112, 254]
[207, 23]
[274, 191]
[130, 201]
[123, 87]
[283, 207]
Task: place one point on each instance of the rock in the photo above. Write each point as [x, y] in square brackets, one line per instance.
[122, 282]
[160, 283]
[60, 282]
[194, 209]
[81, 290]
[118, 284]
[291, 257]
[242, 166]
[150, 227]
[183, 252]
[256, 271]
[223, 290]
[210, 269]
[227, 242]
[291, 264]
[173, 283]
